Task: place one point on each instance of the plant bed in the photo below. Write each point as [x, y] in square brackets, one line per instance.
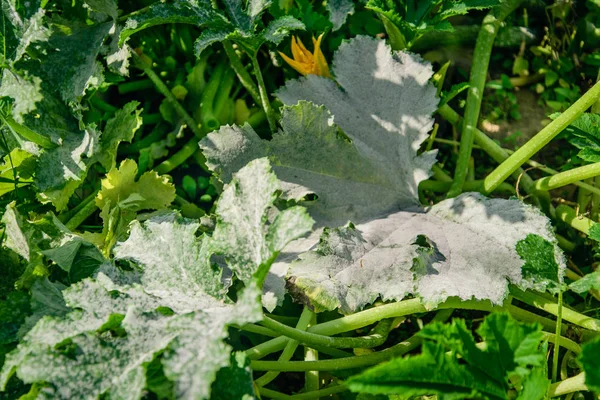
[299, 200]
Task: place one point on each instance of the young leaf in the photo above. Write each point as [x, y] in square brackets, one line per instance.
[122, 197]
[584, 133]
[511, 350]
[339, 11]
[195, 12]
[119, 128]
[242, 212]
[587, 283]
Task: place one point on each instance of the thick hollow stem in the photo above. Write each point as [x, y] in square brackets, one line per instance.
[579, 222]
[551, 307]
[541, 139]
[469, 186]
[207, 101]
[490, 147]
[179, 158]
[479, 69]
[570, 385]
[377, 338]
[368, 317]
[311, 378]
[568, 177]
[84, 213]
[557, 343]
[290, 347]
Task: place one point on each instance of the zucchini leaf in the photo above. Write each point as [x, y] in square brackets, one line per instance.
[365, 171]
[171, 309]
[453, 366]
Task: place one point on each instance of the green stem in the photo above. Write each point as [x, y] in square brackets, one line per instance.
[368, 317]
[551, 307]
[339, 363]
[565, 243]
[570, 385]
[151, 119]
[207, 101]
[311, 378]
[439, 174]
[490, 147]
[479, 70]
[377, 338]
[83, 214]
[28, 134]
[557, 343]
[303, 396]
[290, 347]
[130, 87]
[528, 316]
[579, 222]
[568, 177]
[469, 186]
[541, 139]
[543, 168]
[64, 217]
[595, 200]
[260, 330]
[224, 92]
[240, 71]
[102, 105]
[154, 136]
[179, 158]
[350, 362]
[257, 118]
[563, 341]
[264, 96]
[526, 181]
[164, 90]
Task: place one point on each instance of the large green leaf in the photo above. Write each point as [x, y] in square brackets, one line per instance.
[512, 351]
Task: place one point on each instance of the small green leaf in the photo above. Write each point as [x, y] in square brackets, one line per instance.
[119, 128]
[339, 11]
[590, 362]
[540, 260]
[587, 283]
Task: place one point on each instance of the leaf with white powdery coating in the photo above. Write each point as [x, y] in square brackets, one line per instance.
[384, 107]
[242, 232]
[369, 174]
[339, 11]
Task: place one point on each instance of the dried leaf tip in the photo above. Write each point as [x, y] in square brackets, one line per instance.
[306, 62]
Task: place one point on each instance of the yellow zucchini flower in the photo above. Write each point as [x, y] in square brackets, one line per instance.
[306, 62]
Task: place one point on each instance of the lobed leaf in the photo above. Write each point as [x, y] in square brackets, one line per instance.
[368, 173]
[512, 351]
